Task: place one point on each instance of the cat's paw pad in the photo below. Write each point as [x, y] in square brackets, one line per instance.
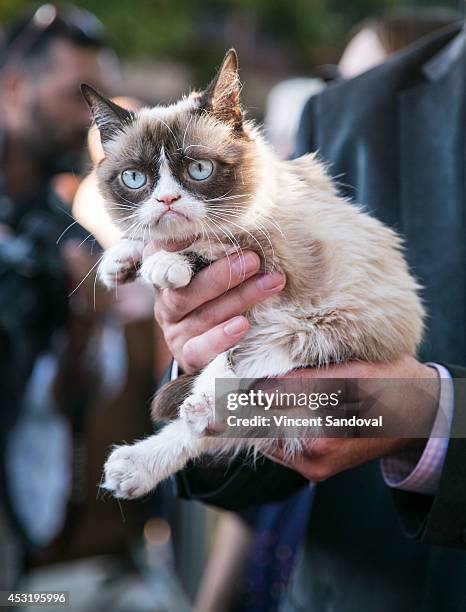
[126, 475]
[198, 411]
[166, 270]
[119, 264]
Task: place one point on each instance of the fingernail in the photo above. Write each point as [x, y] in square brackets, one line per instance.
[235, 327]
[271, 282]
[244, 264]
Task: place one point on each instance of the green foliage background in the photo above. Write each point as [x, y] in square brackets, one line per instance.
[174, 28]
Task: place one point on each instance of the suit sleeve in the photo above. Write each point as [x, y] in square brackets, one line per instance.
[238, 484]
[441, 519]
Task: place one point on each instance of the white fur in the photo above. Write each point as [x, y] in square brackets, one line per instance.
[136, 469]
[349, 295]
[166, 270]
[153, 212]
[116, 260]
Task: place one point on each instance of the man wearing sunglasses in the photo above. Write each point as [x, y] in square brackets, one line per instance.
[43, 128]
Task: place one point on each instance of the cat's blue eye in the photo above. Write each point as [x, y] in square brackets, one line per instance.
[200, 169]
[134, 179]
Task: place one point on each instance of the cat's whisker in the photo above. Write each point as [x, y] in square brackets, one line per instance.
[231, 238]
[206, 233]
[65, 230]
[191, 158]
[121, 510]
[264, 232]
[94, 292]
[225, 196]
[120, 207]
[85, 240]
[133, 204]
[185, 132]
[170, 130]
[87, 275]
[193, 145]
[266, 219]
[227, 220]
[224, 249]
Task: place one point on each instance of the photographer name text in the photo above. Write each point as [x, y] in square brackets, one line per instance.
[284, 421]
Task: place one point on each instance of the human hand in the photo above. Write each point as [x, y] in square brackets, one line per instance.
[205, 318]
[325, 457]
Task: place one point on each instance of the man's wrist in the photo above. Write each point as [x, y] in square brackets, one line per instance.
[419, 470]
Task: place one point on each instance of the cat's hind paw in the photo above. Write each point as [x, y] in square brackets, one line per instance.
[198, 412]
[126, 474]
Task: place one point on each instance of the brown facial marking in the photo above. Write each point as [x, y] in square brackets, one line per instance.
[186, 136]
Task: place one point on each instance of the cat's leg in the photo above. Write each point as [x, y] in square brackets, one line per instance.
[120, 263]
[136, 469]
[165, 269]
[198, 409]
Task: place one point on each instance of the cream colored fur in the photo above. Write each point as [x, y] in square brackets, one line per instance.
[349, 295]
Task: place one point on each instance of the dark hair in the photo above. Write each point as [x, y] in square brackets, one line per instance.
[28, 39]
[398, 29]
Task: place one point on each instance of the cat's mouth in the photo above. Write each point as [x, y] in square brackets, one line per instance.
[171, 215]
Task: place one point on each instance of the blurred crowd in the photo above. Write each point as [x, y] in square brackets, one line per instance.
[78, 366]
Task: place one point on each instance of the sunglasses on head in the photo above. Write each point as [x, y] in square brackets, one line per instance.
[47, 19]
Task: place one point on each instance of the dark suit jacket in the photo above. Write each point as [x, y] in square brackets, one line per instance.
[394, 138]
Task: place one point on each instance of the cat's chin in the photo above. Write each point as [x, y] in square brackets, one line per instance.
[173, 245]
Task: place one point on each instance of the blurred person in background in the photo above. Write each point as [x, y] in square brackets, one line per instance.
[43, 127]
[369, 43]
[77, 364]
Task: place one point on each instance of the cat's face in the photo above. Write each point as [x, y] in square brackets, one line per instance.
[180, 171]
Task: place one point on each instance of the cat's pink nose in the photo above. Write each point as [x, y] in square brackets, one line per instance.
[168, 199]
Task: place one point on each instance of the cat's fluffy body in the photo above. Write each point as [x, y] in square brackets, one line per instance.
[349, 294]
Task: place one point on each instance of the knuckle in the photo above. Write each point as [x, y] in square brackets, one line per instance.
[170, 338]
[219, 275]
[175, 301]
[322, 446]
[319, 473]
[189, 356]
[159, 314]
[247, 293]
[206, 316]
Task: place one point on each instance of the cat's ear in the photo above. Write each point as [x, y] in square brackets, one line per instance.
[222, 96]
[108, 116]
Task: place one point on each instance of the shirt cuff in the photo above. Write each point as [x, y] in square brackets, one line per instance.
[174, 372]
[409, 472]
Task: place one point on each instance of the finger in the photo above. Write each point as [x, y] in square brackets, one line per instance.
[230, 304]
[208, 284]
[200, 350]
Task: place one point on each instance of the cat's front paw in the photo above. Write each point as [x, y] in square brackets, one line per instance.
[120, 263]
[126, 474]
[167, 270]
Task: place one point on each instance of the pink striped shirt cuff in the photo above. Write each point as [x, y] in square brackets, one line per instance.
[421, 474]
